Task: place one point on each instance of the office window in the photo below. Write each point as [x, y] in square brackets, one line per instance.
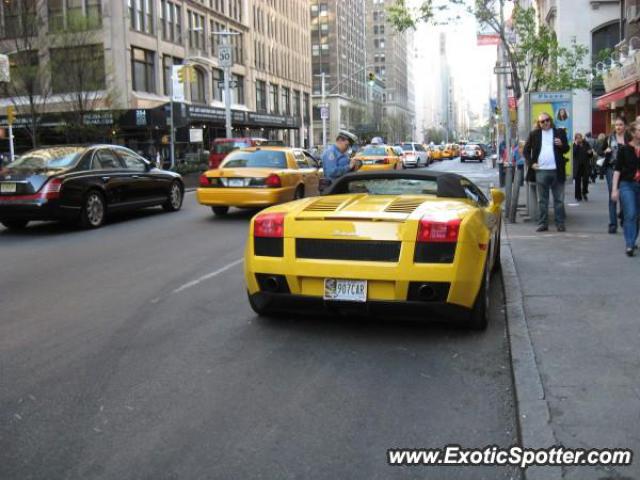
[143, 69]
[77, 69]
[167, 63]
[218, 80]
[296, 103]
[171, 21]
[198, 87]
[261, 96]
[196, 30]
[273, 99]
[286, 101]
[238, 89]
[141, 15]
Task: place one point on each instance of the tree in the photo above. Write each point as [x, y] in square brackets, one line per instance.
[526, 42]
[29, 88]
[396, 128]
[435, 135]
[78, 73]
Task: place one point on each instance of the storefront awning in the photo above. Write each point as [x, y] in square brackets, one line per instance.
[621, 93]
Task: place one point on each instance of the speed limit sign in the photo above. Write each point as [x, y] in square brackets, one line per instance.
[225, 55]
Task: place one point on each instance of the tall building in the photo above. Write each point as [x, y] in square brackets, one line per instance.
[390, 54]
[130, 47]
[338, 54]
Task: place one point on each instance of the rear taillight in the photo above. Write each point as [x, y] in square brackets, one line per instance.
[273, 181]
[269, 225]
[52, 189]
[204, 180]
[385, 161]
[438, 231]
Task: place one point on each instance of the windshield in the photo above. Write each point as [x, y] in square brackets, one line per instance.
[393, 186]
[407, 147]
[226, 147]
[48, 159]
[257, 159]
[373, 151]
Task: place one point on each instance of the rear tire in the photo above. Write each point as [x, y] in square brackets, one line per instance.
[479, 317]
[260, 308]
[462, 160]
[15, 224]
[93, 210]
[174, 202]
[299, 193]
[497, 266]
[220, 211]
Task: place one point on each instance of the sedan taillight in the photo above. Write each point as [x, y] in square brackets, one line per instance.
[269, 225]
[273, 181]
[203, 180]
[438, 231]
[51, 189]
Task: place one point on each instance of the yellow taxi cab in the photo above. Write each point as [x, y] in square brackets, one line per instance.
[447, 151]
[435, 153]
[259, 177]
[455, 149]
[379, 157]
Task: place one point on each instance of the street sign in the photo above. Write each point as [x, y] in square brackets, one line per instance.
[501, 70]
[177, 86]
[324, 113]
[5, 69]
[225, 55]
[196, 135]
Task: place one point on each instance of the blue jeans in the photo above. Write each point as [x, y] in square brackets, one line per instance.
[548, 180]
[630, 201]
[613, 206]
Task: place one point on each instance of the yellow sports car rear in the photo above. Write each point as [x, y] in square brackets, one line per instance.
[396, 243]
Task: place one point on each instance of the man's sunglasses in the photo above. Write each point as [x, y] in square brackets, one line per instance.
[545, 120]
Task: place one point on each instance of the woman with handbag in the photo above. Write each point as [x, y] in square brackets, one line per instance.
[610, 152]
[626, 187]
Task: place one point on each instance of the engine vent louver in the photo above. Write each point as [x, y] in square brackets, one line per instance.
[324, 205]
[404, 205]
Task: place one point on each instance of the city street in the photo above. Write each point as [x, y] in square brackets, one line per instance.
[131, 352]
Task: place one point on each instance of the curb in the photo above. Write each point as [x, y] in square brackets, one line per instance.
[532, 410]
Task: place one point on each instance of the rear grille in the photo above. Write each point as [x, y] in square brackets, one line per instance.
[358, 250]
[435, 252]
[324, 205]
[268, 247]
[404, 205]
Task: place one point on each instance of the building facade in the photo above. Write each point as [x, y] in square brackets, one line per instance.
[139, 41]
[390, 56]
[338, 54]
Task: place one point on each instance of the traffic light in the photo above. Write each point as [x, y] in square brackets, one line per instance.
[185, 74]
[372, 78]
[11, 114]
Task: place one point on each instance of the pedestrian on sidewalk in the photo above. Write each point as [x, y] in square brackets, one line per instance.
[582, 153]
[588, 138]
[599, 149]
[610, 147]
[544, 153]
[517, 159]
[626, 187]
[502, 156]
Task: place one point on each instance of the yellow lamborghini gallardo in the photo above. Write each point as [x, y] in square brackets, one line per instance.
[396, 242]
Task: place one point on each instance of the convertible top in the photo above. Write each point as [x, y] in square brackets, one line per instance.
[450, 185]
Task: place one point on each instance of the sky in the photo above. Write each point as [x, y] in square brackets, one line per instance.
[470, 65]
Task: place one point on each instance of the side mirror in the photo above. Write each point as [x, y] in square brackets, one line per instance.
[149, 166]
[497, 196]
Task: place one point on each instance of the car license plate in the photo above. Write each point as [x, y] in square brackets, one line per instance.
[345, 290]
[7, 187]
[236, 182]
[368, 162]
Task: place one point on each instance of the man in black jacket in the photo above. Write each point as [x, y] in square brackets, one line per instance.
[544, 153]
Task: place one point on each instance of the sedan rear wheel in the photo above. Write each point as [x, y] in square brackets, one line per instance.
[15, 224]
[220, 211]
[93, 210]
[174, 202]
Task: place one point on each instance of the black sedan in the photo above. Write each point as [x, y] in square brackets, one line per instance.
[83, 184]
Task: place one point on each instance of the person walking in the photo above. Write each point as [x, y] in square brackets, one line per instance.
[544, 152]
[626, 187]
[517, 159]
[335, 159]
[582, 153]
[502, 156]
[609, 151]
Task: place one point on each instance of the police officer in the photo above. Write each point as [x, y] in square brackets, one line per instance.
[335, 159]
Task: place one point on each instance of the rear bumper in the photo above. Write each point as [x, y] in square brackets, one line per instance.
[386, 166]
[35, 210]
[243, 197]
[428, 311]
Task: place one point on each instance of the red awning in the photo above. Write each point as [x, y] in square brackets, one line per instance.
[618, 94]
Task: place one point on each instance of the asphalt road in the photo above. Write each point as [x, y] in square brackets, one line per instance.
[130, 352]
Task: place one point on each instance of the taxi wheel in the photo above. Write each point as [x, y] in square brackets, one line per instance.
[220, 211]
[479, 318]
[15, 224]
[299, 193]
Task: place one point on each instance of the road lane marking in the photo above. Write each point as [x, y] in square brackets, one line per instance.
[208, 276]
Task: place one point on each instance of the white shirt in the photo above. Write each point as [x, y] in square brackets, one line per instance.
[547, 158]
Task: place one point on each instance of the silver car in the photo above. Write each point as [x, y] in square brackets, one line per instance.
[415, 155]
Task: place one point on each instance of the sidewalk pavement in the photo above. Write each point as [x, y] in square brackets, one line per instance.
[576, 349]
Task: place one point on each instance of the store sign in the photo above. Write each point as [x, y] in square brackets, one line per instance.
[213, 114]
[196, 135]
[98, 118]
[141, 118]
[273, 120]
[5, 69]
